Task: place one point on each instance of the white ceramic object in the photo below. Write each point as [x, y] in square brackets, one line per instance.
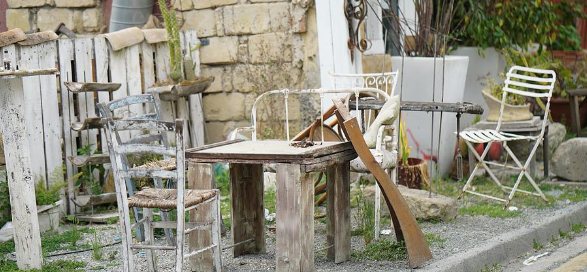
[418, 83]
[480, 67]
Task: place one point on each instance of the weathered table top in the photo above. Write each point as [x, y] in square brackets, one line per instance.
[272, 151]
[464, 107]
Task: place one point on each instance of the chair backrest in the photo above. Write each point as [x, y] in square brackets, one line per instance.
[382, 81]
[119, 150]
[529, 82]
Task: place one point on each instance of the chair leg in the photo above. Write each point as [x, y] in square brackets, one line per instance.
[472, 174]
[377, 212]
[126, 234]
[165, 216]
[149, 238]
[216, 234]
[179, 246]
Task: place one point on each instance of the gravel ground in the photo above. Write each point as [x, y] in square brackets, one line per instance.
[460, 235]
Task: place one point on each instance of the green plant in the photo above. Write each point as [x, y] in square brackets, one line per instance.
[504, 24]
[96, 248]
[403, 142]
[87, 178]
[365, 217]
[491, 210]
[567, 36]
[579, 227]
[172, 28]
[536, 245]
[382, 250]
[563, 234]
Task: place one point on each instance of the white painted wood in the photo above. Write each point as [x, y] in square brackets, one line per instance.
[333, 35]
[84, 73]
[196, 113]
[65, 55]
[50, 111]
[162, 70]
[148, 64]
[118, 75]
[27, 239]
[29, 59]
[102, 61]
[133, 78]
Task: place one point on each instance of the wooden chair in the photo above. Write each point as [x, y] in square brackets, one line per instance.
[134, 107]
[180, 199]
[531, 82]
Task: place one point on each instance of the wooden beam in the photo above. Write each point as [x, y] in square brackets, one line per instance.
[246, 208]
[201, 176]
[338, 208]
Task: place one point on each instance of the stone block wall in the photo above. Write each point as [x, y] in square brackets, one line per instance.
[254, 46]
[81, 16]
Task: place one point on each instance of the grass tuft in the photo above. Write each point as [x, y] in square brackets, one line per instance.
[490, 209]
[383, 250]
[579, 227]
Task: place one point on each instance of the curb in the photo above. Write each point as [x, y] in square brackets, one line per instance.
[510, 245]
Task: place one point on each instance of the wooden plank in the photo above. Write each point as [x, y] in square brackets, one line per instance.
[133, 77]
[50, 111]
[29, 59]
[84, 73]
[102, 60]
[162, 71]
[338, 190]
[65, 54]
[148, 64]
[295, 219]
[27, 239]
[196, 115]
[246, 208]
[118, 75]
[25, 73]
[201, 176]
[464, 107]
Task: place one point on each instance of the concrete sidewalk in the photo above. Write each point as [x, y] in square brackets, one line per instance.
[512, 244]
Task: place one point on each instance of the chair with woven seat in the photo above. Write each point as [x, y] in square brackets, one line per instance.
[180, 199]
[528, 82]
[132, 107]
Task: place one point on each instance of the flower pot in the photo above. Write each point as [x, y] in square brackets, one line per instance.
[418, 82]
[560, 110]
[510, 112]
[49, 216]
[569, 58]
[413, 173]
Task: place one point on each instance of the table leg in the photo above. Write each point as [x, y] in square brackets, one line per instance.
[295, 219]
[246, 208]
[339, 212]
[201, 176]
[575, 116]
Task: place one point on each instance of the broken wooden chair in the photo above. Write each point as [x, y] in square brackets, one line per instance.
[530, 82]
[122, 107]
[180, 199]
[405, 225]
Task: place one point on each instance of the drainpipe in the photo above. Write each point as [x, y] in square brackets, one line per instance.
[129, 13]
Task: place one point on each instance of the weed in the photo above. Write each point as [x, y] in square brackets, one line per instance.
[536, 245]
[96, 248]
[382, 250]
[435, 239]
[574, 195]
[366, 218]
[54, 266]
[563, 234]
[489, 209]
[222, 177]
[111, 220]
[579, 227]
[87, 178]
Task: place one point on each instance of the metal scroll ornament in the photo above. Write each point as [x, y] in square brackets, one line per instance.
[358, 12]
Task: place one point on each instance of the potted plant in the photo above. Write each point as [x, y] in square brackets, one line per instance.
[487, 29]
[411, 171]
[567, 44]
[183, 83]
[427, 73]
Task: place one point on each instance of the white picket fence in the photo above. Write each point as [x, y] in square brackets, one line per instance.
[51, 108]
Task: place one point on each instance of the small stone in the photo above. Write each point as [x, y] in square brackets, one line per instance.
[570, 160]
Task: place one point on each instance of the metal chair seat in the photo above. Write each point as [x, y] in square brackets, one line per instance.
[492, 135]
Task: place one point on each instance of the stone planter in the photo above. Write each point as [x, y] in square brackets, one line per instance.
[510, 112]
[49, 216]
[413, 174]
[420, 83]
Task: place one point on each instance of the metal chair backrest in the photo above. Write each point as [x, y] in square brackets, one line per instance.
[382, 81]
[287, 92]
[529, 82]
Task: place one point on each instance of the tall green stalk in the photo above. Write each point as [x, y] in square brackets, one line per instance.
[170, 19]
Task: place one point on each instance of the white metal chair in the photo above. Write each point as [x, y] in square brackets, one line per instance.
[385, 149]
[530, 82]
[180, 199]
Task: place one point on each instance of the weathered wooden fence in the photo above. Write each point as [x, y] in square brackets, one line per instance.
[51, 109]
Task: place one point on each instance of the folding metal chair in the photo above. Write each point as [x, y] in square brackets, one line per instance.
[530, 82]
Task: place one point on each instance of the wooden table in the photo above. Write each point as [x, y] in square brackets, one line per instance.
[575, 110]
[21, 182]
[295, 196]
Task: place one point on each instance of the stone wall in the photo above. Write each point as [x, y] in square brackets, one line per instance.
[255, 46]
[81, 16]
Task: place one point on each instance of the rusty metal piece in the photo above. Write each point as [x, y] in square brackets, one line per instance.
[62, 29]
[403, 219]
